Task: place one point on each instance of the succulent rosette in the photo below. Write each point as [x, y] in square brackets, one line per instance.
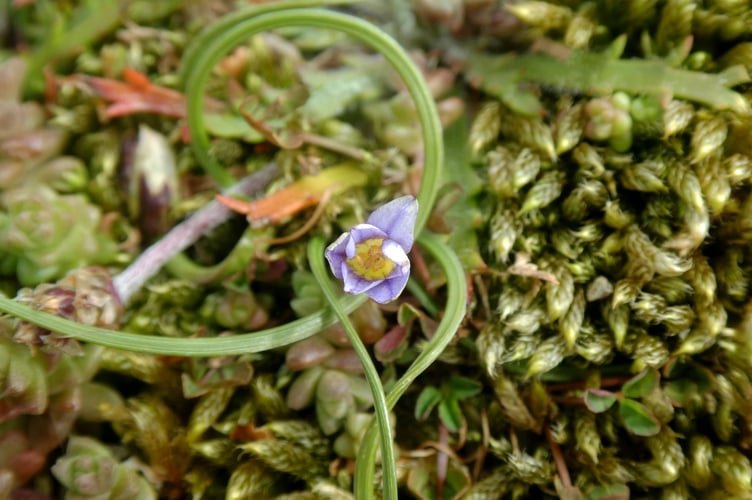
[371, 258]
[43, 234]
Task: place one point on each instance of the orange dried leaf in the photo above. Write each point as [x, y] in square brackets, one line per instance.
[274, 207]
[304, 193]
[135, 95]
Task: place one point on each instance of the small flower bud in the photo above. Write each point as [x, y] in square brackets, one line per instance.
[150, 177]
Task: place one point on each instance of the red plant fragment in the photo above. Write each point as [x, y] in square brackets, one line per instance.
[135, 95]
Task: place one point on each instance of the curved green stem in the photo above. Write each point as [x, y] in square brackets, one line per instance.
[453, 315]
[425, 300]
[197, 75]
[232, 32]
[316, 261]
[206, 51]
[244, 250]
[271, 338]
[197, 49]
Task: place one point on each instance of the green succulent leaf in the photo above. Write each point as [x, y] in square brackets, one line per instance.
[461, 387]
[641, 384]
[450, 414]
[427, 400]
[638, 419]
[598, 400]
[407, 313]
[393, 345]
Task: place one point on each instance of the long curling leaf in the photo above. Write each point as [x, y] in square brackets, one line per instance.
[454, 313]
[197, 76]
[316, 261]
[183, 267]
[205, 52]
[271, 338]
[199, 47]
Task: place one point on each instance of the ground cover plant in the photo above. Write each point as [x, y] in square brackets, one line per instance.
[330, 249]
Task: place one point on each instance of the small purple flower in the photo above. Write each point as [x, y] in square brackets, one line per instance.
[372, 257]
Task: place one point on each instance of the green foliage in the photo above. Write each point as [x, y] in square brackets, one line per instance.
[42, 241]
[598, 400]
[447, 399]
[428, 398]
[66, 31]
[594, 240]
[636, 418]
[501, 76]
[687, 382]
[641, 384]
[89, 469]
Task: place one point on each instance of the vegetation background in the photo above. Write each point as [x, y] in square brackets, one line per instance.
[595, 186]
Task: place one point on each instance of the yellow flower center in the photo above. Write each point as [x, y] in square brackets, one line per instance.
[370, 262]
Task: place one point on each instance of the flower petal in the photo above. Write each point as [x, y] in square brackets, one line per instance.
[389, 289]
[354, 284]
[363, 232]
[394, 252]
[397, 220]
[335, 254]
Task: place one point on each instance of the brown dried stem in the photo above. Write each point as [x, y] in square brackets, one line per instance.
[185, 234]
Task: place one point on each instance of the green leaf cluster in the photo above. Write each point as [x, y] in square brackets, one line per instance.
[446, 398]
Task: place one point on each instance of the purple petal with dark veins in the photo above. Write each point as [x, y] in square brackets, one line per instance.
[397, 220]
